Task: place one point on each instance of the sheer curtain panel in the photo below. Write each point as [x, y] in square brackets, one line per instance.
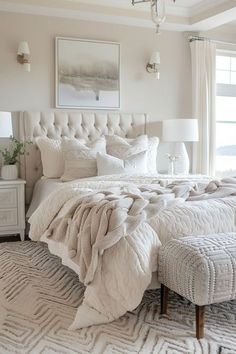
[203, 53]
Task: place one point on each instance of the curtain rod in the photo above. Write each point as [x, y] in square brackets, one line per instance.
[198, 38]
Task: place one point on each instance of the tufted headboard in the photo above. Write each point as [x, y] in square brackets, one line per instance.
[72, 124]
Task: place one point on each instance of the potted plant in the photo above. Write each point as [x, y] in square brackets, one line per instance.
[10, 158]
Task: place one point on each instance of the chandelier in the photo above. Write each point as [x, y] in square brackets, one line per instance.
[158, 13]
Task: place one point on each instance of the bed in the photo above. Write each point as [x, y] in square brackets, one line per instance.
[116, 269]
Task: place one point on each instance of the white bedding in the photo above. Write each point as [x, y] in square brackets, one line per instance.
[45, 186]
[211, 209]
[42, 189]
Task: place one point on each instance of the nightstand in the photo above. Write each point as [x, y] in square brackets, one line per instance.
[12, 207]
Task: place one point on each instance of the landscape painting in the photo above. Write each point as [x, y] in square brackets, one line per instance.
[87, 74]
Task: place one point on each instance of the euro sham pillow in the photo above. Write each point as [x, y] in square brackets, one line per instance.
[110, 165]
[153, 143]
[122, 148]
[115, 142]
[51, 156]
[80, 159]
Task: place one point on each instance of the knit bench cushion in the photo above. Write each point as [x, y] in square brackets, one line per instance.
[200, 268]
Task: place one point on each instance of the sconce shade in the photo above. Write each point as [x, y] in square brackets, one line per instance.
[23, 55]
[5, 125]
[23, 48]
[153, 66]
[27, 67]
[180, 130]
[155, 58]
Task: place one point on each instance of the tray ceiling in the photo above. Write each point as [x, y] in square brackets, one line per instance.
[183, 15]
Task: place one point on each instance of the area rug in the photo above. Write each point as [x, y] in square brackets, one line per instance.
[39, 297]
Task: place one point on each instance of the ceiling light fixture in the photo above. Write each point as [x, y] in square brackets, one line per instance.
[158, 12]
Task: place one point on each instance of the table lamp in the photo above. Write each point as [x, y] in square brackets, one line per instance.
[5, 125]
[179, 131]
[7, 172]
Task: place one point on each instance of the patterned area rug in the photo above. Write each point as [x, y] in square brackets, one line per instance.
[39, 297]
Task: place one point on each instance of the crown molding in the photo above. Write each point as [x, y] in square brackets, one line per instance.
[221, 14]
[134, 18]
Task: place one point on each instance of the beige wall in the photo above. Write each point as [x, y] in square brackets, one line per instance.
[168, 98]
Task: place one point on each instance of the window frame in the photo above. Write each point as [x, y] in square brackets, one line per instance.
[230, 54]
[225, 90]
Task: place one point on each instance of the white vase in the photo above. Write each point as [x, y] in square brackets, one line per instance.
[9, 172]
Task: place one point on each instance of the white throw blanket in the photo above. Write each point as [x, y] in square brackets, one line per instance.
[107, 233]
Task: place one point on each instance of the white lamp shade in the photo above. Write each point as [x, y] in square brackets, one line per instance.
[23, 48]
[5, 125]
[180, 130]
[155, 58]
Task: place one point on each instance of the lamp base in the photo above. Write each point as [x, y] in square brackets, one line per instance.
[182, 163]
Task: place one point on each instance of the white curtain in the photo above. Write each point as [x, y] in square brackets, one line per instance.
[203, 54]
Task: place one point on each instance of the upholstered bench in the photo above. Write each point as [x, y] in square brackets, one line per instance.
[200, 268]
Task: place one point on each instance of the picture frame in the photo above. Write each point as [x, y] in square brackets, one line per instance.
[87, 74]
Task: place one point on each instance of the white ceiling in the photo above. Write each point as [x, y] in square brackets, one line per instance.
[190, 3]
[127, 4]
[183, 15]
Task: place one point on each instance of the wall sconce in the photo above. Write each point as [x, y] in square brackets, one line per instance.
[23, 55]
[154, 64]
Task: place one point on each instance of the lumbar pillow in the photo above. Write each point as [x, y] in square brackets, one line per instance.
[80, 159]
[110, 165]
[51, 156]
[143, 141]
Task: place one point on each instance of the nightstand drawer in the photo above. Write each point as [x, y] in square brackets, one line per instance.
[8, 198]
[8, 217]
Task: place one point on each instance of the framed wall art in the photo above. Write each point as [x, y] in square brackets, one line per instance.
[87, 74]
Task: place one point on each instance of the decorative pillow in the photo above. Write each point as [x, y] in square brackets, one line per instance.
[110, 165]
[80, 159]
[122, 148]
[51, 156]
[152, 144]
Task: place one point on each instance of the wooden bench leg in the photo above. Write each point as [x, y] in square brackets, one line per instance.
[164, 299]
[200, 321]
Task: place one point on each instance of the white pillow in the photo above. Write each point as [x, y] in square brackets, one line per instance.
[51, 156]
[110, 165]
[122, 148]
[152, 144]
[80, 159]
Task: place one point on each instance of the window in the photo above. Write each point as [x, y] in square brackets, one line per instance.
[226, 70]
[226, 115]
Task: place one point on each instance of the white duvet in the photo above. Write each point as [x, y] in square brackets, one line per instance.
[124, 270]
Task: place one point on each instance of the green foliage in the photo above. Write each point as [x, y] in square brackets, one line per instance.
[10, 156]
